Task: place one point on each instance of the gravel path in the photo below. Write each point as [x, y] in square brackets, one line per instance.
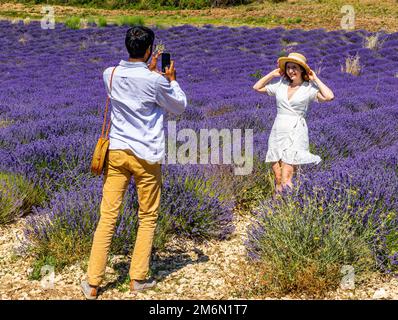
[185, 271]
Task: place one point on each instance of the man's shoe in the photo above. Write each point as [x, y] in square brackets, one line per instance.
[89, 292]
[141, 285]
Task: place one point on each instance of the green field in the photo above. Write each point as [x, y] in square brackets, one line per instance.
[301, 14]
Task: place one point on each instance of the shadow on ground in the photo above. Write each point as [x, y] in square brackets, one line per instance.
[162, 266]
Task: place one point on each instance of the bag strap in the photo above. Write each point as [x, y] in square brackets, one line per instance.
[106, 110]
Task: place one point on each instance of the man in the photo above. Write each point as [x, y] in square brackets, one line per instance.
[140, 96]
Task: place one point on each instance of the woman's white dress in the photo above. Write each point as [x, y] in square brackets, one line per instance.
[288, 140]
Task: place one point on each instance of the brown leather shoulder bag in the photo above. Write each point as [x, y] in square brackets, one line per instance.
[101, 149]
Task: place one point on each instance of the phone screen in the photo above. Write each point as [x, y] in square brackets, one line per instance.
[165, 61]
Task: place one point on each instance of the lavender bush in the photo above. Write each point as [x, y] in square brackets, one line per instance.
[17, 197]
[189, 208]
[321, 232]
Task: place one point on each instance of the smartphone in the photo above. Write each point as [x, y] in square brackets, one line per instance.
[165, 61]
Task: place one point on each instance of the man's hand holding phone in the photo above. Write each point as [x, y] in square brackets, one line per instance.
[154, 61]
[168, 67]
[170, 72]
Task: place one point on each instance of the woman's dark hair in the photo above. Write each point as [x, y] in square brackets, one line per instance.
[138, 39]
[304, 73]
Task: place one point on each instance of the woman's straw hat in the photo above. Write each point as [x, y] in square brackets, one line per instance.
[296, 58]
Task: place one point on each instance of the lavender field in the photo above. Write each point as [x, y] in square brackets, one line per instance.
[51, 106]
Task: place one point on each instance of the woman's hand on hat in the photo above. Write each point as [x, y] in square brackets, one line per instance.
[277, 72]
[312, 76]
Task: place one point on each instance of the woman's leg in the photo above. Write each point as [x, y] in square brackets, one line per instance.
[276, 167]
[287, 175]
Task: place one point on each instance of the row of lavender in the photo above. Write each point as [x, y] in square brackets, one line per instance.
[53, 95]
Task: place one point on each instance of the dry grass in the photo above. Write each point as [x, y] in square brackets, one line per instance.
[319, 67]
[371, 15]
[260, 281]
[352, 65]
[373, 42]
[23, 40]
[5, 123]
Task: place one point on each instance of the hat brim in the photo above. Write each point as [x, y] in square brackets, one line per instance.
[283, 60]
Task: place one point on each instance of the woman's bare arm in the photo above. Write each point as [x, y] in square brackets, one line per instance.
[325, 93]
[260, 84]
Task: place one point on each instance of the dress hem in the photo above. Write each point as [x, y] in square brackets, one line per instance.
[293, 157]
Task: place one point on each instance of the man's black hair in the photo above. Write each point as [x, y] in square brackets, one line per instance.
[138, 39]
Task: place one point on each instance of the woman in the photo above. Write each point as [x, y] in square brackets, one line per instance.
[288, 144]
